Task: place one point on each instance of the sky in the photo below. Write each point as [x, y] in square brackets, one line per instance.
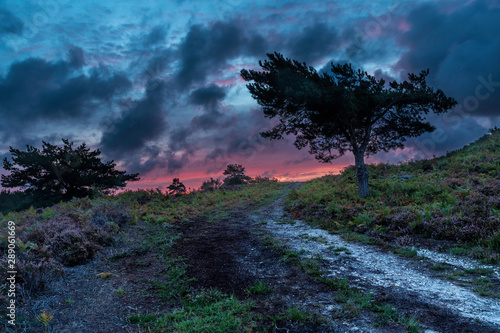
[156, 87]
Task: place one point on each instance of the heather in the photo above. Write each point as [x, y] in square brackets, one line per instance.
[72, 233]
[450, 201]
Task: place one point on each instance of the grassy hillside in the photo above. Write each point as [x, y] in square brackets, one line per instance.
[451, 202]
[50, 240]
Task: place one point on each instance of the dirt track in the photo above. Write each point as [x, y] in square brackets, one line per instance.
[229, 255]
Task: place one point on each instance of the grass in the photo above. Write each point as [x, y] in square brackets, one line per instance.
[386, 313]
[484, 287]
[479, 271]
[476, 277]
[459, 251]
[260, 288]
[222, 313]
[120, 292]
[440, 267]
[353, 299]
[410, 323]
[177, 282]
[141, 319]
[406, 252]
[297, 315]
[338, 250]
[454, 198]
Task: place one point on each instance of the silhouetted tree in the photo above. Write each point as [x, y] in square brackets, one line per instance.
[210, 185]
[176, 188]
[60, 173]
[14, 201]
[346, 110]
[235, 175]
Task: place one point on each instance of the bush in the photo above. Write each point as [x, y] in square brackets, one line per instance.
[34, 275]
[72, 247]
[106, 212]
[210, 185]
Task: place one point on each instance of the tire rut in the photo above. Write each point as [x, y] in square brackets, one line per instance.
[402, 278]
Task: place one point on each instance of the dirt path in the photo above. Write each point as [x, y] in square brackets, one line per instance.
[404, 279]
[229, 254]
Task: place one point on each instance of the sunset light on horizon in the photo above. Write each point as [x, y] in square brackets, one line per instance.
[156, 85]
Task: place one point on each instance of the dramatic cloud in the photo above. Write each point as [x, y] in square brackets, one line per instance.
[35, 89]
[208, 97]
[206, 50]
[139, 123]
[156, 36]
[461, 49]
[313, 43]
[157, 87]
[9, 23]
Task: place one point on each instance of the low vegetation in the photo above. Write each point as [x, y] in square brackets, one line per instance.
[71, 233]
[451, 202]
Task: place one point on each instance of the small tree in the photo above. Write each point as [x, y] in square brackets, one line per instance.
[60, 173]
[210, 185]
[176, 188]
[347, 110]
[235, 175]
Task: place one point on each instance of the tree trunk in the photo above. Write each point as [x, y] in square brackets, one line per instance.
[361, 174]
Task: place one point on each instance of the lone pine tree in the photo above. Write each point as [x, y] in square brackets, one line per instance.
[345, 110]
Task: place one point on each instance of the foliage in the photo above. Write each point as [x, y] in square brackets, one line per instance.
[261, 179]
[14, 201]
[44, 318]
[455, 198]
[260, 288]
[54, 173]
[176, 188]
[67, 234]
[210, 185]
[345, 110]
[235, 175]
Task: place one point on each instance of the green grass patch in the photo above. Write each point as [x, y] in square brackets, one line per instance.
[260, 288]
[141, 319]
[479, 270]
[439, 267]
[215, 312]
[406, 252]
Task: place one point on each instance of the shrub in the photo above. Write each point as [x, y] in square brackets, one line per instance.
[106, 212]
[33, 275]
[210, 185]
[72, 247]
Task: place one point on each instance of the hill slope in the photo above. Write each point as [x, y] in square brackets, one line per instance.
[447, 202]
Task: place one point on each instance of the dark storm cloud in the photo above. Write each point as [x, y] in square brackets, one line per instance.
[76, 58]
[142, 122]
[157, 36]
[9, 23]
[178, 138]
[208, 96]
[215, 154]
[152, 157]
[206, 50]
[313, 43]
[35, 89]
[461, 49]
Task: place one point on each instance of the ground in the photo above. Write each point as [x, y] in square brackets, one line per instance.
[303, 268]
